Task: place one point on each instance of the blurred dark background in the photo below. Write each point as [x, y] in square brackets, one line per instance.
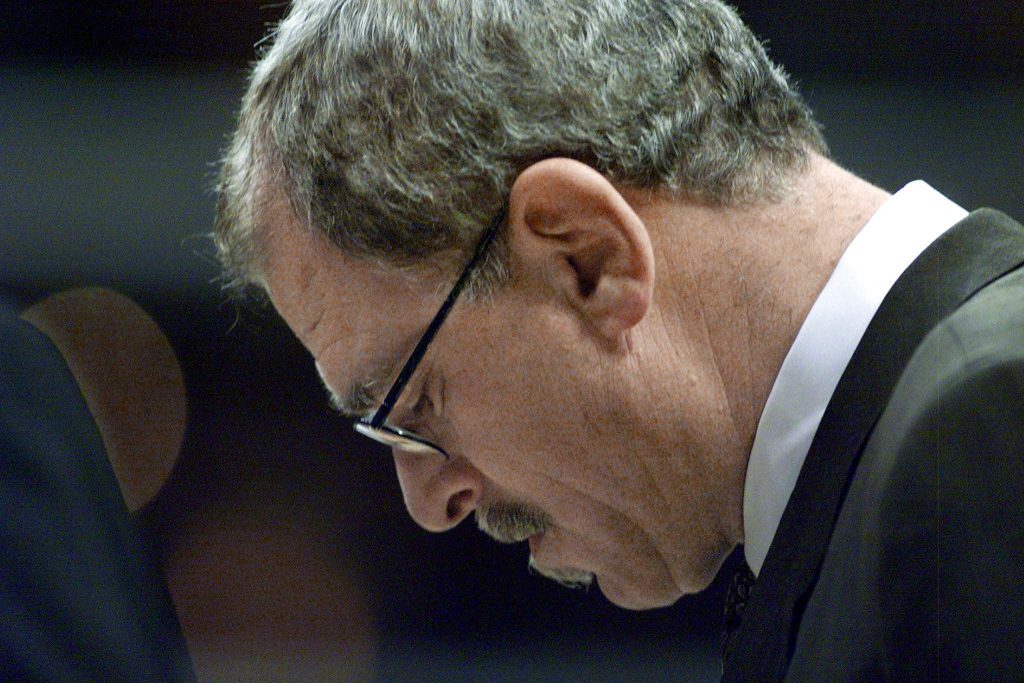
[286, 546]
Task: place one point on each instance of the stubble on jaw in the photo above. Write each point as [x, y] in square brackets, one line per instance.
[569, 577]
[515, 522]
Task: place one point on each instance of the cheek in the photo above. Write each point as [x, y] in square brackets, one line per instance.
[529, 407]
[514, 422]
[503, 395]
[537, 448]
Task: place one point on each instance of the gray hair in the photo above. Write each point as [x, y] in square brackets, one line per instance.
[397, 128]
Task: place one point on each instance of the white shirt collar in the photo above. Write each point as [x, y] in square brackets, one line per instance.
[899, 231]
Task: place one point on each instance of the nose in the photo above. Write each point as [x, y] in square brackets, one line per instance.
[438, 493]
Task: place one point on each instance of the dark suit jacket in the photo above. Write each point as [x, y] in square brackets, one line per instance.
[80, 598]
[901, 552]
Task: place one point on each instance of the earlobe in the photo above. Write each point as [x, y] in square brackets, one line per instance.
[570, 228]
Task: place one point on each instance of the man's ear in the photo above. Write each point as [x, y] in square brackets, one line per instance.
[570, 228]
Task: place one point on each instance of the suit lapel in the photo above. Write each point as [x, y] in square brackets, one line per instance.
[976, 251]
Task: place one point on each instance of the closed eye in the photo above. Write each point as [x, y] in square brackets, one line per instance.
[411, 415]
[424, 406]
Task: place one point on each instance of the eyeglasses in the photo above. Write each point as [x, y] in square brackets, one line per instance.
[376, 426]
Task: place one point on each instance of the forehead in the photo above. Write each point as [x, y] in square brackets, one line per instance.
[357, 318]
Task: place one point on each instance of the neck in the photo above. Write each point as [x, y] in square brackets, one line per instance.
[792, 249]
[739, 282]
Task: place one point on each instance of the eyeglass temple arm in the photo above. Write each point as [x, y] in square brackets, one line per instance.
[381, 415]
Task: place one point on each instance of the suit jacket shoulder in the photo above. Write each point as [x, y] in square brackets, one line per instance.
[923, 569]
[849, 588]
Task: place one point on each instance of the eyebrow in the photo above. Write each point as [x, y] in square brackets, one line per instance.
[365, 395]
[360, 401]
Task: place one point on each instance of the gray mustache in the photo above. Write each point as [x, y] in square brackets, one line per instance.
[512, 522]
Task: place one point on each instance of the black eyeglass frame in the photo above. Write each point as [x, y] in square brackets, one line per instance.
[376, 426]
